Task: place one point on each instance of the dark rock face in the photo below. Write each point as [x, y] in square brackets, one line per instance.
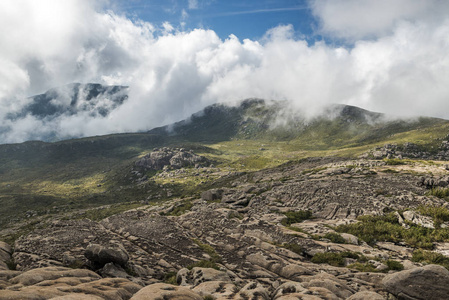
[104, 255]
[172, 159]
[427, 283]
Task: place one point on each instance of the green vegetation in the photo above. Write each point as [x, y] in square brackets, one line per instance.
[11, 264]
[439, 192]
[394, 265]
[430, 257]
[336, 259]
[214, 256]
[208, 297]
[180, 209]
[372, 229]
[79, 174]
[296, 217]
[204, 264]
[334, 238]
[439, 214]
[294, 248]
[394, 162]
[170, 278]
[98, 214]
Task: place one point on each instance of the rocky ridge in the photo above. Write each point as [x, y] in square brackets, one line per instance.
[240, 241]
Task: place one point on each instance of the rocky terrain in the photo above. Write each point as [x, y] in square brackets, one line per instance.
[297, 231]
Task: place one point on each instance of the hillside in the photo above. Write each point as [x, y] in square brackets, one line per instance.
[237, 202]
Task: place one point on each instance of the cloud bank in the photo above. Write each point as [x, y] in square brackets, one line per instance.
[394, 58]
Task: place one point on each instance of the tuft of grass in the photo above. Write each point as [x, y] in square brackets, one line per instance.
[170, 278]
[439, 192]
[394, 162]
[294, 248]
[394, 265]
[214, 256]
[335, 259]
[334, 238]
[98, 214]
[439, 214]
[430, 257]
[296, 217]
[11, 264]
[363, 267]
[372, 229]
[180, 209]
[204, 264]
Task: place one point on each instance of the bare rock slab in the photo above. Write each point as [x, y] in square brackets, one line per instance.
[427, 283]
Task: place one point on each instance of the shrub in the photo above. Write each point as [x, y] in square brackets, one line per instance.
[430, 257]
[439, 192]
[170, 278]
[394, 265]
[335, 238]
[335, 259]
[204, 264]
[294, 248]
[394, 162]
[296, 217]
[372, 229]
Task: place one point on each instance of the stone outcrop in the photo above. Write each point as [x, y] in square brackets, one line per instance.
[171, 158]
[235, 241]
[425, 283]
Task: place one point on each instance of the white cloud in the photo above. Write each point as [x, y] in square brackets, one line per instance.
[356, 19]
[403, 70]
[193, 4]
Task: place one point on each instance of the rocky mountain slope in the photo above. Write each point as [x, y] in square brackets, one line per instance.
[344, 207]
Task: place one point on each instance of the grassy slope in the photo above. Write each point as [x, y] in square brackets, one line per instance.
[93, 171]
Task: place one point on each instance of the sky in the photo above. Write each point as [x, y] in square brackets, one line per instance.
[178, 56]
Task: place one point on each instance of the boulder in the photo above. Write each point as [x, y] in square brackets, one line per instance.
[102, 255]
[430, 282]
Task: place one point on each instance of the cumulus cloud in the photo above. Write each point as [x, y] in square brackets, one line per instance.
[356, 19]
[398, 65]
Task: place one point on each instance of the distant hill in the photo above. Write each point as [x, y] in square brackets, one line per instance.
[255, 134]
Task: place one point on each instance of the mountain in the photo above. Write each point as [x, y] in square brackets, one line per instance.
[253, 201]
[73, 98]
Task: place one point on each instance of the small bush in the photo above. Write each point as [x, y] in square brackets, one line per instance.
[170, 278]
[294, 248]
[180, 209]
[363, 267]
[394, 162]
[430, 257]
[214, 256]
[11, 264]
[394, 265]
[335, 259]
[204, 264]
[439, 192]
[372, 229]
[296, 217]
[335, 238]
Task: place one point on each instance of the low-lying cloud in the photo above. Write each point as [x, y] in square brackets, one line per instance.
[399, 66]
